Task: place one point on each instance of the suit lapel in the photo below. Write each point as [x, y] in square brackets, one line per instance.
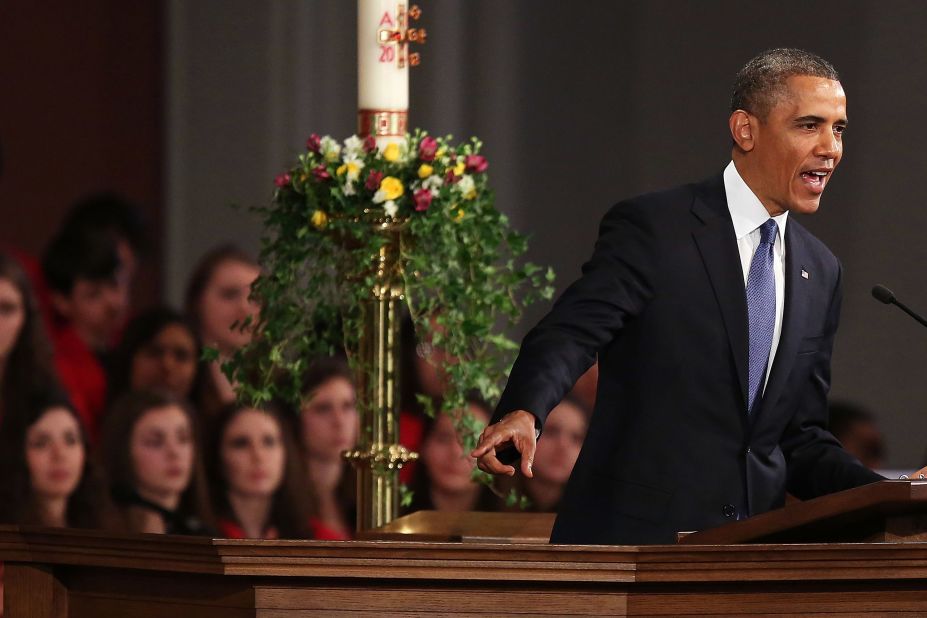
[718, 247]
[794, 315]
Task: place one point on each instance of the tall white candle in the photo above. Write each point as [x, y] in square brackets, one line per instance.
[383, 65]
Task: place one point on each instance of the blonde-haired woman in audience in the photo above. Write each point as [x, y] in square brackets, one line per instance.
[152, 458]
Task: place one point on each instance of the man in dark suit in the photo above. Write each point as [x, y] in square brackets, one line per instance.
[712, 314]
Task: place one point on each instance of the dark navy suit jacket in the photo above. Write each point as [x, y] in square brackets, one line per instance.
[670, 446]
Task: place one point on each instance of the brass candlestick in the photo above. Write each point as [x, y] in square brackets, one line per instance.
[379, 456]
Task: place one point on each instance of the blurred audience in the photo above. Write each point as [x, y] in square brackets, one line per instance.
[444, 479]
[257, 482]
[152, 456]
[858, 432]
[46, 475]
[328, 427]
[160, 351]
[218, 300]
[25, 354]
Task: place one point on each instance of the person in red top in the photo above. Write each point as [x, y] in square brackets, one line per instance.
[258, 487]
[82, 270]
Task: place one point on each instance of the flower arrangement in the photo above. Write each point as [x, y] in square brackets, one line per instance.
[460, 263]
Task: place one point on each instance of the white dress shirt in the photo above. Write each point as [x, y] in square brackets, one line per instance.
[748, 214]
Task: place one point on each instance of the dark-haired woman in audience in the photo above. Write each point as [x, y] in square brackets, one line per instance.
[46, 476]
[160, 351]
[219, 302]
[329, 426]
[25, 354]
[258, 486]
[557, 450]
[443, 480]
[152, 458]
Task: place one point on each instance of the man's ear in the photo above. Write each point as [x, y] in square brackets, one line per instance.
[743, 128]
[62, 304]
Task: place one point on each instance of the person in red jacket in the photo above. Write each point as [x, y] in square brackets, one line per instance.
[82, 270]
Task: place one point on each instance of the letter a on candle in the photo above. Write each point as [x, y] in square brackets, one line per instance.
[386, 20]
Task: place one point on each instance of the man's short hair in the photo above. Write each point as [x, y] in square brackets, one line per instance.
[111, 213]
[762, 82]
[87, 254]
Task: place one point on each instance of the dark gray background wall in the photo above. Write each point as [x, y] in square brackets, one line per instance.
[579, 104]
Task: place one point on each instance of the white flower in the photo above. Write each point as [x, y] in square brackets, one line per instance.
[352, 167]
[331, 150]
[466, 186]
[379, 196]
[349, 188]
[433, 182]
[353, 148]
[391, 208]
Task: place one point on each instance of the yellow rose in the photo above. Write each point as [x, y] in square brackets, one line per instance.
[425, 170]
[391, 187]
[460, 168]
[391, 152]
[319, 219]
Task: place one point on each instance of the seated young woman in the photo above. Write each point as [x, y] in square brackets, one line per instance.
[25, 353]
[46, 475]
[218, 301]
[443, 479]
[257, 484]
[557, 450]
[328, 428]
[152, 458]
[160, 350]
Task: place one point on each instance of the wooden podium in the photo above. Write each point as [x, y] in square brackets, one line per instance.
[56, 573]
[889, 511]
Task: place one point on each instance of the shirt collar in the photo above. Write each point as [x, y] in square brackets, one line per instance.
[747, 212]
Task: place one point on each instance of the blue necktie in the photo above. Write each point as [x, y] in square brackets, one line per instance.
[761, 309]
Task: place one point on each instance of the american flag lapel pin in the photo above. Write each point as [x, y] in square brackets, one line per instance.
[804, 274]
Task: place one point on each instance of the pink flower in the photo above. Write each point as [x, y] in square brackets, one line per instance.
[282, 180]
[450, 177]
[422, 199]
[314, 143]
[476, 163]
[370, 144]
[373, 180]
[427, 148]
[320, 173]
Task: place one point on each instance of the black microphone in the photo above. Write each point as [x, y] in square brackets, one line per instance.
[885, 295]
